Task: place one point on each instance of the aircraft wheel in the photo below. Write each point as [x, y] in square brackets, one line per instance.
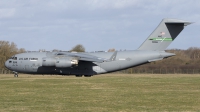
[87, 75]
[15, 74]
[78, 75]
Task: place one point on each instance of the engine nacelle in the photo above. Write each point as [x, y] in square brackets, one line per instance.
[64, 62]
[48, 61]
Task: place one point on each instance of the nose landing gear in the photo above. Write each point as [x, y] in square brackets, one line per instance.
[15, 74]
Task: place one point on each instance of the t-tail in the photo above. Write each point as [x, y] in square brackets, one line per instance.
[164, 34]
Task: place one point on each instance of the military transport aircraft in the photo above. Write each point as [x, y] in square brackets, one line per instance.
[89, 64]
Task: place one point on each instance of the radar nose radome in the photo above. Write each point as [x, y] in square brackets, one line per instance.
[6, 64]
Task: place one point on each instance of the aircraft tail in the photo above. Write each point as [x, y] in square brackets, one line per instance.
[164, 34]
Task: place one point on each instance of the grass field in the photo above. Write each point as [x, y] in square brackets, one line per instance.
[109, 92]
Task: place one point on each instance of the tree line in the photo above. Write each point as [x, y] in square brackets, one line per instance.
[8, 49]
[185, 61]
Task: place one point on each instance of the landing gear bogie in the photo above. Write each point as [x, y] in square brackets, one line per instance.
[15, 74]
[87, 75]
[83, 75]
[78, 75]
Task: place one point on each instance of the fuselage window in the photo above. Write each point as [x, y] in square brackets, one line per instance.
[10, 61]
[14, 58]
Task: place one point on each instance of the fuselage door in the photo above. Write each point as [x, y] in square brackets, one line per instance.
[26, 67]
[34, 67]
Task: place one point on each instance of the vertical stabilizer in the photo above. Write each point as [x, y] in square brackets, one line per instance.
[164, 34]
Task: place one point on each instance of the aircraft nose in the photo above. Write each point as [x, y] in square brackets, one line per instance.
[6, 64]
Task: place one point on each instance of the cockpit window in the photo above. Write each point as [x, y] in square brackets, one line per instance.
[10, 61]
[13, 57]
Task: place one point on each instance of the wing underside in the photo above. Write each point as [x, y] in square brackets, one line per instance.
[88, 57]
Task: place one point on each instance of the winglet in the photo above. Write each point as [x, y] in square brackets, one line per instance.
[113, 57]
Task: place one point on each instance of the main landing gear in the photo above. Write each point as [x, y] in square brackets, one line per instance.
[87, 75]
[84, 75]
[78, 75]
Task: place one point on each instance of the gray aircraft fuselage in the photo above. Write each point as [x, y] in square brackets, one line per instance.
[31, 62]
[88, 64]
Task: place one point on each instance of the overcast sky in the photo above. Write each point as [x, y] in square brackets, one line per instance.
[96, 24]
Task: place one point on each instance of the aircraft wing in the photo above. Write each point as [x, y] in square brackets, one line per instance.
[87, 57]
[92, 59]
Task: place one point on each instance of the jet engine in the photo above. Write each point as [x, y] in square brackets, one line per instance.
[48, 61]
[64, 62]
